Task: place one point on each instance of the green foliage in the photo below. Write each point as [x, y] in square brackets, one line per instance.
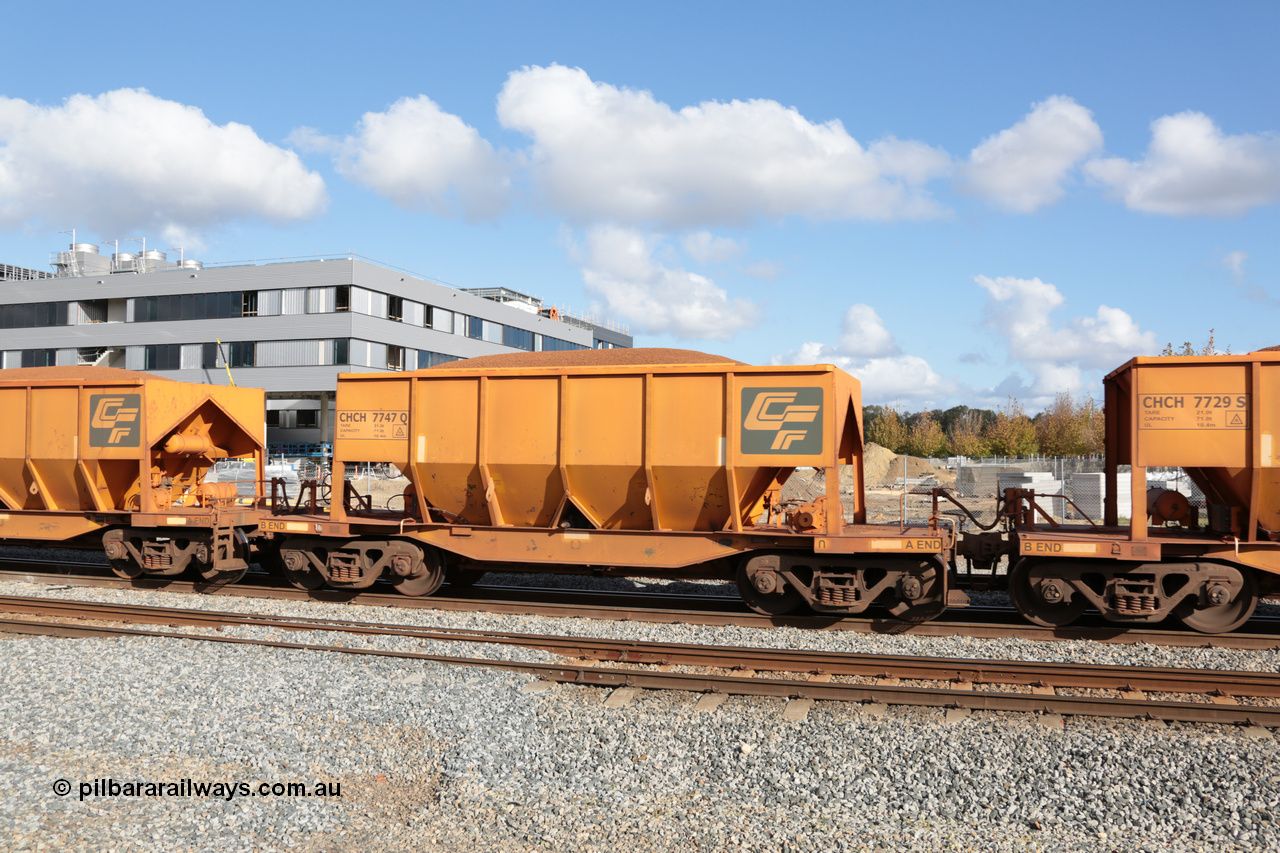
[965, 434]
[1013, 433]
[925, 437]
[1070, 428]
[887, 429]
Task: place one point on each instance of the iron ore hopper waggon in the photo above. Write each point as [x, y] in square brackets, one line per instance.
[653, 462]
[661, 463]
[95, 457]
[1218, 418]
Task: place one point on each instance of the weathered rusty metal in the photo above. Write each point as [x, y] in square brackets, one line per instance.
[1001, 623]
[661, 466]
[93, 450]
[888, 691]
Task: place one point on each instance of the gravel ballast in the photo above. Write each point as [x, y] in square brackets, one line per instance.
[443, 758]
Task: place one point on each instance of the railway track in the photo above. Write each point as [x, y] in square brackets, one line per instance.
[1212, 695]
[979, 622]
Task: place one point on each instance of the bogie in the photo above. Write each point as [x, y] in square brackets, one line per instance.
[1209, 597]
[777, 583]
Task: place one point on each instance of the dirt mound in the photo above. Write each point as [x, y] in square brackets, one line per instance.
[881, 466]
[589, 358]
[876, 461]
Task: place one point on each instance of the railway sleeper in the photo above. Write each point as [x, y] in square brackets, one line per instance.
[1210, 597]
[911, 588]
[312, 562]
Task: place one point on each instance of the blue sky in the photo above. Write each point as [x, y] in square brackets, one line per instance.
[955, 202]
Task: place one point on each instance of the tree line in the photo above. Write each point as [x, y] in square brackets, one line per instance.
[1069, 427]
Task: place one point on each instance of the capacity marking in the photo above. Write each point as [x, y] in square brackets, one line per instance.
[1193, 411]
[374, 424]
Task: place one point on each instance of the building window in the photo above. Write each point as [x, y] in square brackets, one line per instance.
[240, 353]
[191, 306]
[33, 315]
[39, 357]
[434, 359]
[517, 338]
[342, 298]
[308, 418]
[162, 357]
[273, 417]
[249, 304]
[395, 308]
[342, 351]
[550, 344]
[475, 328]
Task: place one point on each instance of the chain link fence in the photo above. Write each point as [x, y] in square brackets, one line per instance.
[899, 489]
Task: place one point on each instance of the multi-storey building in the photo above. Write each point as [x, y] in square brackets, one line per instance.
[289, 327]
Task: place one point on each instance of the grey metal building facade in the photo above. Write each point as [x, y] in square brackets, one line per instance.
[289, 327]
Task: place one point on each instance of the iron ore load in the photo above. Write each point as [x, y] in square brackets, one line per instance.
[96, 457]
[653, 462]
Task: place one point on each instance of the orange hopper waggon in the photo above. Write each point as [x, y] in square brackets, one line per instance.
[1216, 417]
[661, 463]
[95, 457]
[648, 462]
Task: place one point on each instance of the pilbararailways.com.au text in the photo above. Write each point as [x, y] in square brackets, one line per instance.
[190, 788]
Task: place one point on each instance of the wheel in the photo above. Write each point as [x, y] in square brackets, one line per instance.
[777, 596]
[425, 578]
[1226, 616]
[119, 557]
[298, 571]
[126, 567]
[930, 597]
[1028, 596]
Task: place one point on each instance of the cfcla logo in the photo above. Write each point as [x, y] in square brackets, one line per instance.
[114, 422]
[776, 412]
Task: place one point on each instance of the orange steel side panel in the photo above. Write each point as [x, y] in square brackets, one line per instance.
[603, 458]
[627, 447]
[1216, 416]
[690, 485]
[91, 440]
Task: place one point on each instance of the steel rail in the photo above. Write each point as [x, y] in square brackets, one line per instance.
[936, 628]
[736, 685]
[973, 671]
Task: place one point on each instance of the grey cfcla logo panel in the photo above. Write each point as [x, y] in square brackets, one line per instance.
[114, 420]
[777, 421]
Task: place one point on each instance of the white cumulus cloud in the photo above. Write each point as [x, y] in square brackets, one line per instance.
[1192, 168]
[864, 334]
[127, 160]
[419, 156]
[1235, 261]
[1057, 354]
[618, 267]
[867, 349]
[604, 153]
[705, 247]
[1024, 167]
